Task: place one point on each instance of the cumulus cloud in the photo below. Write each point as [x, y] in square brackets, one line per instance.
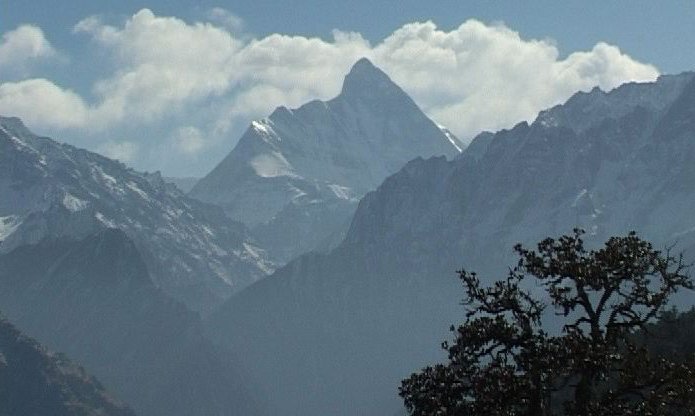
[188, 140]
[123, 150]
[486, 77]
[166, 63]
[163, 63]
[475, 77]
[22, 46]
[43, 104]
[204, 81]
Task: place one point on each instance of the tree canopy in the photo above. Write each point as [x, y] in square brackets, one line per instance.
[505, 361]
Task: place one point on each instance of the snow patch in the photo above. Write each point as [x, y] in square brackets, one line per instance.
[579, 197]
[73, 203]
[256, 254]
[107, 222]
[8, 225]
[21, 145]
[263, 127]
[135, 188]
[450, 136]
[546, 119]
[208, 231]
[172, 213]
[342, 192]
[107, 180]
[298, 193]
[270, 165]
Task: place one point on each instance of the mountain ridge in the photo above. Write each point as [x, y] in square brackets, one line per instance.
[387, 294]
[193, 251]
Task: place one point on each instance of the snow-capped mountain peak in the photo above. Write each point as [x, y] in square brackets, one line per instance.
[291, 163]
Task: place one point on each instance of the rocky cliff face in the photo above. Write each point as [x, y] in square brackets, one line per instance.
[296, 176]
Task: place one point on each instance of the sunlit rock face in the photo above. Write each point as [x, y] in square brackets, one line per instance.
[296, 176]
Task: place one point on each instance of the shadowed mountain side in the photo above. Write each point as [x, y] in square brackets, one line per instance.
[332, 334]
[36, 382]
[93, 299]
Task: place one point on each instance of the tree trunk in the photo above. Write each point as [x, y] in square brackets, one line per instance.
[582, 396]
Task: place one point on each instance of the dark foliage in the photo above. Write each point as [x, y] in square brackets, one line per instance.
[671, 337]
[503, 362]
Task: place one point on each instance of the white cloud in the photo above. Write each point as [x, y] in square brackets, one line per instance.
[164, 63]
[42, 104]
[475, 77]
[21, 46]
[124, 150]
[189, 140]
[289, 70]
[486, 77]
[200, 82]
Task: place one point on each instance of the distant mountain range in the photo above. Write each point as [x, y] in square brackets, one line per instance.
[374, 309]
[52, 190]
[295, 177]
[37, 382]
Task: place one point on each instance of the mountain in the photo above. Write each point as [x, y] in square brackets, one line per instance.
[374, 309]
[296, 176]
[192, 250]
[184, 184]
[37, 382]
[94, 300]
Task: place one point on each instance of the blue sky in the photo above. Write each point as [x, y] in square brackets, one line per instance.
[93, 65]
[656, 32]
